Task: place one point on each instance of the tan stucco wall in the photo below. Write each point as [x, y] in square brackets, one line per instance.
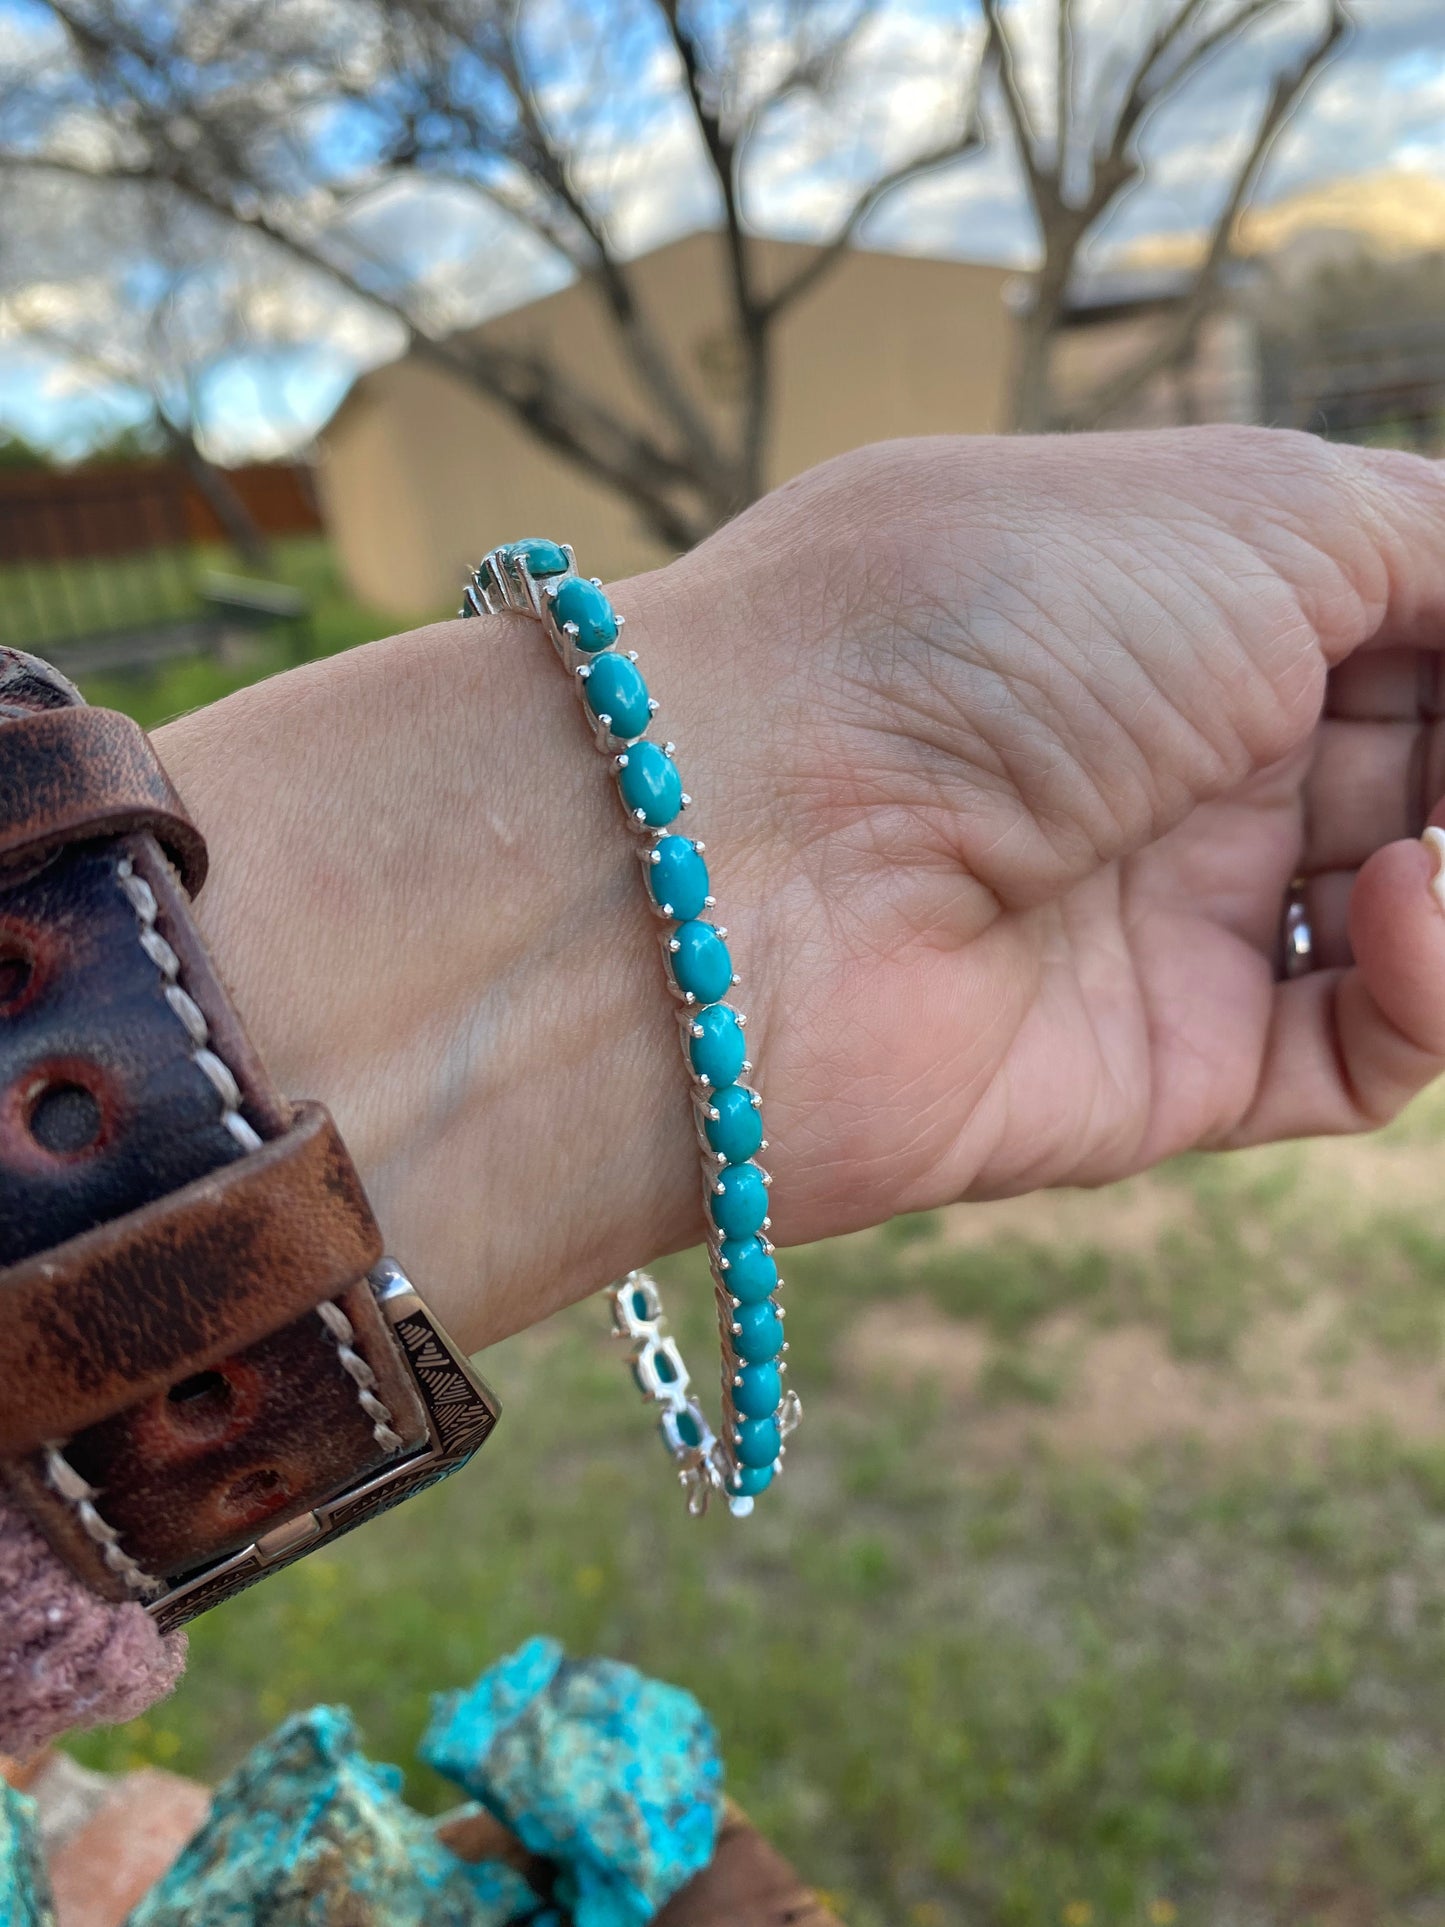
[420, 474]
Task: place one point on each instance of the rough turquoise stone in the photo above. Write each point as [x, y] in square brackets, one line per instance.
[760, 1338]
[541, 556]
[614, 688]
[614, 1777]
[739, 1201]
[758, 1442]
[649, 781]
[307, 1830]
[701, 963]
[737, 1130]
[716, 1046]
[760, 1393]
[580, 601]
[677, 877]
[25, 1897]
[753, 1479]
[751, 1274]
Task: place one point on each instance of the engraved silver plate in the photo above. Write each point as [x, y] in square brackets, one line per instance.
[460, 1414]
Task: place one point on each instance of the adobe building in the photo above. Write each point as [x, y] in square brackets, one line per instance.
[420, 473]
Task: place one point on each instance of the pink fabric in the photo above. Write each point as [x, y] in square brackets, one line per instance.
[68, 1658]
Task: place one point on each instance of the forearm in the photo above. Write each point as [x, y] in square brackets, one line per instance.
[430, 914]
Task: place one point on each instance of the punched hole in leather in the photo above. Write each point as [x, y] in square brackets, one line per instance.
[169, 1224]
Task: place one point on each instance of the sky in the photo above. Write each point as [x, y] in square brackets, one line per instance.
[1381, 106]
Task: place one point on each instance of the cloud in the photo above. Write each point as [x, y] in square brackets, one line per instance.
[47, 401]
[612, 78]
[1380, 105]
[455, 258]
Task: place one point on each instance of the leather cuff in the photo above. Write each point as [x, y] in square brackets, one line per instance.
[199, 1354]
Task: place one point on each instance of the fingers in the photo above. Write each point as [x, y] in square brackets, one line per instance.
[1376, 774]
[1348, 1048]
[1388, 685]
[1327, 905]
[1370, 783]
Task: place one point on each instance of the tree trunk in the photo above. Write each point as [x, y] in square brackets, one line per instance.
[223, 499]
[1032, 384]
[1035, 403]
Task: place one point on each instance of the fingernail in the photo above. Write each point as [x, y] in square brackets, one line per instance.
[1434, 841]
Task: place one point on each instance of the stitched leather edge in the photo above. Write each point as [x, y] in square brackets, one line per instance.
[71, 774]
[119, 1313]
[29, 1482]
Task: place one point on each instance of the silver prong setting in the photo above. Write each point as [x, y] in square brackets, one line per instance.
[705, 1462]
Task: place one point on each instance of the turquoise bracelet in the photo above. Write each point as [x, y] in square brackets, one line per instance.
[539, 579]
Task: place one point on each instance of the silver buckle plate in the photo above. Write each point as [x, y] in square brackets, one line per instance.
[460, 1414]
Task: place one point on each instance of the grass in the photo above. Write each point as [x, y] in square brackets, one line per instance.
[1182, 1684]
[971, 1664]
[305, 562]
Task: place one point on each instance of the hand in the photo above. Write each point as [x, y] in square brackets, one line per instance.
[1005, 753]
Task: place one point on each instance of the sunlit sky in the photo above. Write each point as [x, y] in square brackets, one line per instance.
[1380, 107]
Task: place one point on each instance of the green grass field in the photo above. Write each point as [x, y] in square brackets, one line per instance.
[1106, 1586]
[1019, 1640]
[304, 562]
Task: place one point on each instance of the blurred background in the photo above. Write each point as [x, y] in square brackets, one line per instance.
[1111, 1586]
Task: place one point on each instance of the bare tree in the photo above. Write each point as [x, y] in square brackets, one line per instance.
[154, 317]
[292, 121]
[1077, 166]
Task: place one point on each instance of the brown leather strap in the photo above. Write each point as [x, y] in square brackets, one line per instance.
[748, 1884]
[117, 1047]
[70, 774]
[135, 1305]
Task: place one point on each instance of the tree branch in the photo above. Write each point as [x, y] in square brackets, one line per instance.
[218, 115]
[551, 404]
[536, 390]
[1178, 337]
[1063, 87]
[954, 147]
[1146, 91]
[721, 151]
[846, 232]
[1132, 100]
[658, 376]
[1043, 180]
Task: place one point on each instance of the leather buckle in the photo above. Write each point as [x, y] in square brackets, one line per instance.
[460, 1414]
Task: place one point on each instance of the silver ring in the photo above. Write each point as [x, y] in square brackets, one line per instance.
[1298, 936]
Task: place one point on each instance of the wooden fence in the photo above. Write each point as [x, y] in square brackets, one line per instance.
[62, 515]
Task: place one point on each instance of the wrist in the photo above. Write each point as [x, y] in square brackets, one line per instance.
[430, 916]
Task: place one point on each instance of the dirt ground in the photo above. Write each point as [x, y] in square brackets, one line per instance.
[1120, 1386]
